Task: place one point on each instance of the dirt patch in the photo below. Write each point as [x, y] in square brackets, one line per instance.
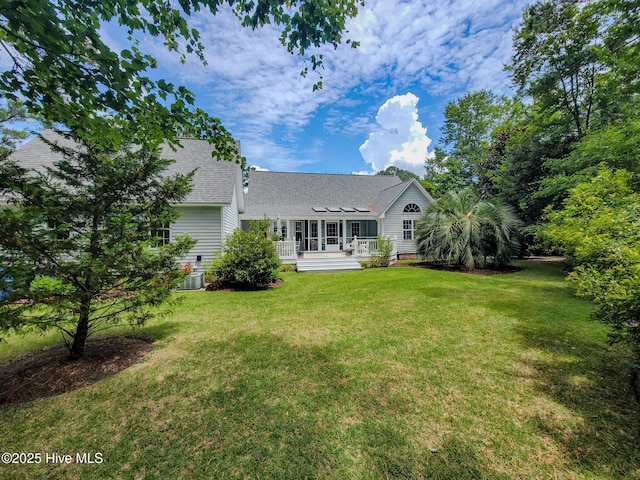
[221, 287]
[50, 372]
[448, 268]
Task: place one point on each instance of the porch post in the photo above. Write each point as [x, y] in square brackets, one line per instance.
[344, 234]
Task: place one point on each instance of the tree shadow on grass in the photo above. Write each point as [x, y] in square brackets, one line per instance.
[601, 433]
[291, 411]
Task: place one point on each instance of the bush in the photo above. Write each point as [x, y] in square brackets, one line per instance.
[385, 248]
[373, 262]
[599, 230]
[249, 259]
[286, 267]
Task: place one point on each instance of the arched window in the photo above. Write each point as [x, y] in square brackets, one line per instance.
[411, 208]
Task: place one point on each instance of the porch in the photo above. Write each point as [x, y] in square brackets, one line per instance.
[358, 249]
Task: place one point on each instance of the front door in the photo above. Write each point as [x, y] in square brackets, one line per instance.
[332, 237]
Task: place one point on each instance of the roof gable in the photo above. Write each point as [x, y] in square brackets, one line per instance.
[213, 182]
[389, 196]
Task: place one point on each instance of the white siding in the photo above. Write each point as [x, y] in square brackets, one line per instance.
[395, 215]
[203, 224]
[230, 218]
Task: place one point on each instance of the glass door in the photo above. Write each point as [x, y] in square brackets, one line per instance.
[332, 236]
[312, 238]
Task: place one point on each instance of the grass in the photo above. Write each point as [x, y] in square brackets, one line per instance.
[382, 373]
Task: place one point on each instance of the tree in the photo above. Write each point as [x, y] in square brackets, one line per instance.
[112, 195]
[571, 58]
[10, 135]
[64, 71]
[404, 175]
[458, 229]
[469, 123]
[598, 229]
[80, 242]
[444, 173]
[556, 60]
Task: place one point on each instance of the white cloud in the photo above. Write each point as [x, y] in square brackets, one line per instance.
[401, 140]
[253, 84]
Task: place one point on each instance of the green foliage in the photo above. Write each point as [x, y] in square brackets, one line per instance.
[87, 222]
[43, 287]
[556, 60]
[385, 249]
[373, 262]
[249, 259]
[401, 173]
[444, 173]
[10, 134]
[599, 230]
[458, 229]
[573, 59]
[63, 70]
[286, 267]
[469, 122]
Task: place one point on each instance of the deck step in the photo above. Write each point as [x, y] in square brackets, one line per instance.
[327, 264]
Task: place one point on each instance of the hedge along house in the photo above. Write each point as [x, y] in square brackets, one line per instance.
[209, 212]
[324, 213]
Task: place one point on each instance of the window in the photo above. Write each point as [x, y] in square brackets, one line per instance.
[355, 229]
[407, 229]
[298, 230]
[283, 229]
[162, 234]
[412, 208]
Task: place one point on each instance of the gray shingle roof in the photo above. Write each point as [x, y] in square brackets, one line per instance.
[213, 182]
[296, 194]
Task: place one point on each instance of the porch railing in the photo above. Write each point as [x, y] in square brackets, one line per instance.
[364, 247]
[286, 249]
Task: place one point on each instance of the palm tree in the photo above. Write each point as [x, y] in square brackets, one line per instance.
[459, 229]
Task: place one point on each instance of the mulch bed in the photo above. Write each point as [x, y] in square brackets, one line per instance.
[51, 372]
[448, 268]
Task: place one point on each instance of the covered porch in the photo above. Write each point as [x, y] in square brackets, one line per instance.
[325, 234]
[359, 248]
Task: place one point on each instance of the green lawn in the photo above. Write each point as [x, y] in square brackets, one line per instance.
[382, 373]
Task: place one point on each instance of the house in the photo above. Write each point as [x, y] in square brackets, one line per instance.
[330, 214]
[326, 212]
[209, 212]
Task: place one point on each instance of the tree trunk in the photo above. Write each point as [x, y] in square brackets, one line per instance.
[82, 330]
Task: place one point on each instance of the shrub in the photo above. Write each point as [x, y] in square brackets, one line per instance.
[599, 230]
[459, 229]
[385, 248]
[249, 259]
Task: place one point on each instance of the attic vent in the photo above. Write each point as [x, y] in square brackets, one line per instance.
[319, 209]
[362, 209]
[348, 209]
[334, 209]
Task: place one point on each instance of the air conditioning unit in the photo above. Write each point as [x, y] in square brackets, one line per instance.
[193, 281]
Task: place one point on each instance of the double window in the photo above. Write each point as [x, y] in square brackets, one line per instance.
[408, 227]
[162, 234]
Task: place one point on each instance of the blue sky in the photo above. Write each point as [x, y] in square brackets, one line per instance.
[381, 104]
